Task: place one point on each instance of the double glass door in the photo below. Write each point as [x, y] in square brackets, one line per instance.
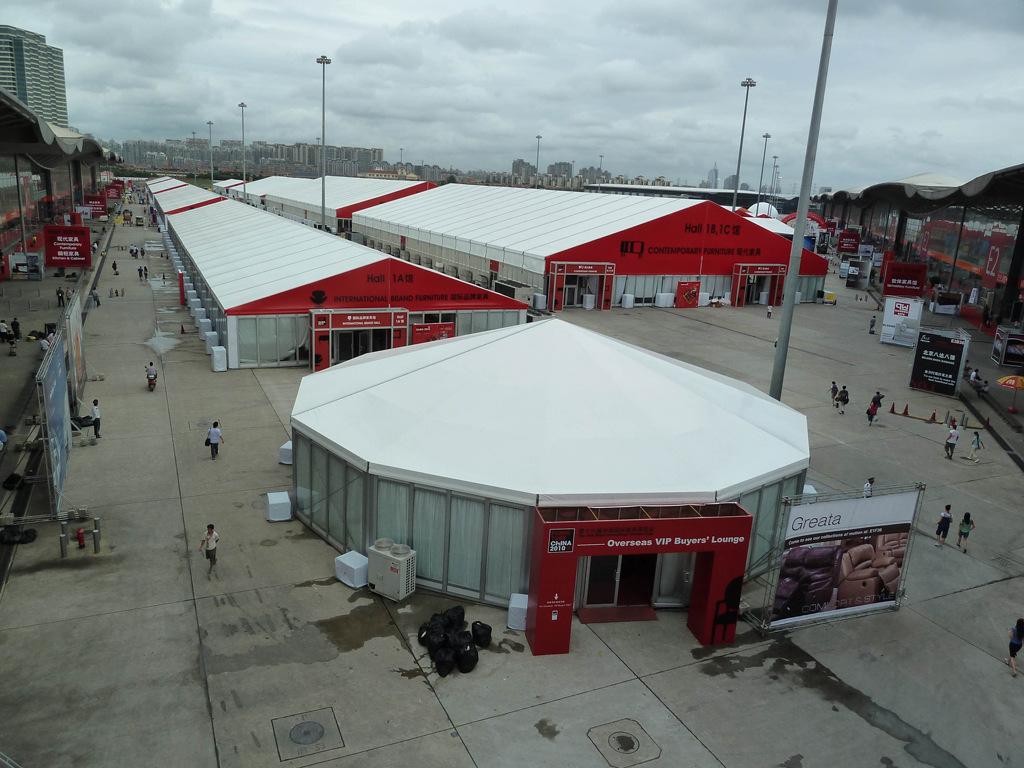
[620, 580]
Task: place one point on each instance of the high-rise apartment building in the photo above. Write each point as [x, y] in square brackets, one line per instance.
[33, 71]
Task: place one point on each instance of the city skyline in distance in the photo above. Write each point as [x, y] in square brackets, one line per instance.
[652, 89]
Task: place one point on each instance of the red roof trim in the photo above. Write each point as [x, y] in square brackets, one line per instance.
[195, 205]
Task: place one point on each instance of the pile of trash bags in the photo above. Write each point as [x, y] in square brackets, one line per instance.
[449, 644]
[11, 536]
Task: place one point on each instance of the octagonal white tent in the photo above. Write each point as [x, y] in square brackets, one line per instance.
[547, 413]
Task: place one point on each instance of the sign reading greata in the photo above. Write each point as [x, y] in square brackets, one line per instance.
[938, 361]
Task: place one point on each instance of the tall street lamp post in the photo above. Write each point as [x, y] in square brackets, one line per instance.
[323, 61]
[775, 181]
[195, 176]
[401, 157]
[764, 156]
[747, 85]
[600, 171]
[539, 137]
[210, 123]
[243, 105]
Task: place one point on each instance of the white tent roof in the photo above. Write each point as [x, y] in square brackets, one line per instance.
[341, 191]
[550, 413]
[516, 226]
[245, 254]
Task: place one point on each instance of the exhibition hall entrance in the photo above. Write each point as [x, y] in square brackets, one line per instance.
[348, 344]
[758, 284]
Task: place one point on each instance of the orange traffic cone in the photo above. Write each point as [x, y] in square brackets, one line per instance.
[933, 417]
[906, 409]
[892, 408]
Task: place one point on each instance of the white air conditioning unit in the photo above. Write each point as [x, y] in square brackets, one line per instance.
[391, 569]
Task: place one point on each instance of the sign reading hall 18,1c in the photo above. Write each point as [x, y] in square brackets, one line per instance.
[561, 539]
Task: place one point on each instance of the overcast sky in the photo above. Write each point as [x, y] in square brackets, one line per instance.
[653, 85]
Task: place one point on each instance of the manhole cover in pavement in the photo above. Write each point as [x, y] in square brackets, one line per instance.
[307, 733]
[624, 743]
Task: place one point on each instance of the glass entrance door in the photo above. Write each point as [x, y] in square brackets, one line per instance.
[620, 580]
[571, 292]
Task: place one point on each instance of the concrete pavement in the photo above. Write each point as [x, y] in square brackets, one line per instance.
[139, 656]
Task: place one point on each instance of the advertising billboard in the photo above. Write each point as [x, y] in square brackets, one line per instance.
[67, 246]
[687, 294]
[97, 204]
[848, 242]
[52, 382]
[843, 556]
[901, 321]
[857, 274]
[76, 351]
[424, 332]
[905, 279]
[1008, 347]
[939, 359]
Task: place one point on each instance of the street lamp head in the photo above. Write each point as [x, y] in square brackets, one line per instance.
[209, 122]
[748, 83]
[323, 60]
[242, 104]
[539, 137]
[766, 136]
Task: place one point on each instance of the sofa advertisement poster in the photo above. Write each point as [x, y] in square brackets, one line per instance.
[1008, 347]
[901, 321]
[843, 556]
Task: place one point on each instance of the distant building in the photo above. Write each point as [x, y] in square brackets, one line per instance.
[33, 72]
[712, 180]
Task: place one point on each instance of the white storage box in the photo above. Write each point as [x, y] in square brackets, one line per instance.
[664, 299]
[589, 301]
[627, 300]
[219, 358]
[517, 606]
[351, 569]
[211, 341]
[279, 507]
[284, 453]
[540, 301]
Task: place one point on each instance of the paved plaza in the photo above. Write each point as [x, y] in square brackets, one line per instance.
[139, 656]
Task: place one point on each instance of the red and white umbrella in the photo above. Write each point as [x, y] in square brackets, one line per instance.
[1015, 383]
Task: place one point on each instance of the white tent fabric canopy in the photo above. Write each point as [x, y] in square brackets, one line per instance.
[550, 413]
[341, 191]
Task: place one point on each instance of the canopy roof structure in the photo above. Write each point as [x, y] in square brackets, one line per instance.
[415, 414]
[23, 132]
[931, 191]
[343, 193]
[518, 226]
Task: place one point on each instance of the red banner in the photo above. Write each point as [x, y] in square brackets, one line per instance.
[849, 242]
[67, 246]
[112, 192]
[687, 294]
[97, 205]
[905, 279]
[432, 332]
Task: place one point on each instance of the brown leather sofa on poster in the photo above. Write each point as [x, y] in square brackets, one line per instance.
[870, 569]
[806, 581]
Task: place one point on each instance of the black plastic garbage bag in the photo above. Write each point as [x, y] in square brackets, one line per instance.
[455, 617]
[467, 657]
[481, 634]
[435, 639]
[444, 661]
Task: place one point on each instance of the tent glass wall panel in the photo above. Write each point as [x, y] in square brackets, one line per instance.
[301, 454]
[336, 502]
[393, 511]
[318, 486]
[355, 482]
[429, 527]
[467, 529]
[506, 532]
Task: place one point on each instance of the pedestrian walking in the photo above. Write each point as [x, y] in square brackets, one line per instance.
[951, 439]
[976, 445]
[67, 294]
[966, 526]
[95, 296]
[145, 271]
[214, 438]
[5, 332]
[769, 311]
[843, 397]
[1016, 641]
[142, 251]
[869, 488]
[833, 391]
[877, 399]
[140, 274]
[114, 265]
[942, 531]
[872, 412]
[209, 543]
[16, 329]
[871, 325]
[95, 413]
[60, 297]
[986, 317]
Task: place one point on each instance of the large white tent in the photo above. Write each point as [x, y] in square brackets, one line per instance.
[547, 413]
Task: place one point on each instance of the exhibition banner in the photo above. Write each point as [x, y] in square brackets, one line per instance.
[848, 242]
[52, 382]
[858, 273]
[67, 246]
[843, 556]
[97, 204]
[1008, 347]
[905, 279]
[424, 332]
[939, 358]
[901, 321]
